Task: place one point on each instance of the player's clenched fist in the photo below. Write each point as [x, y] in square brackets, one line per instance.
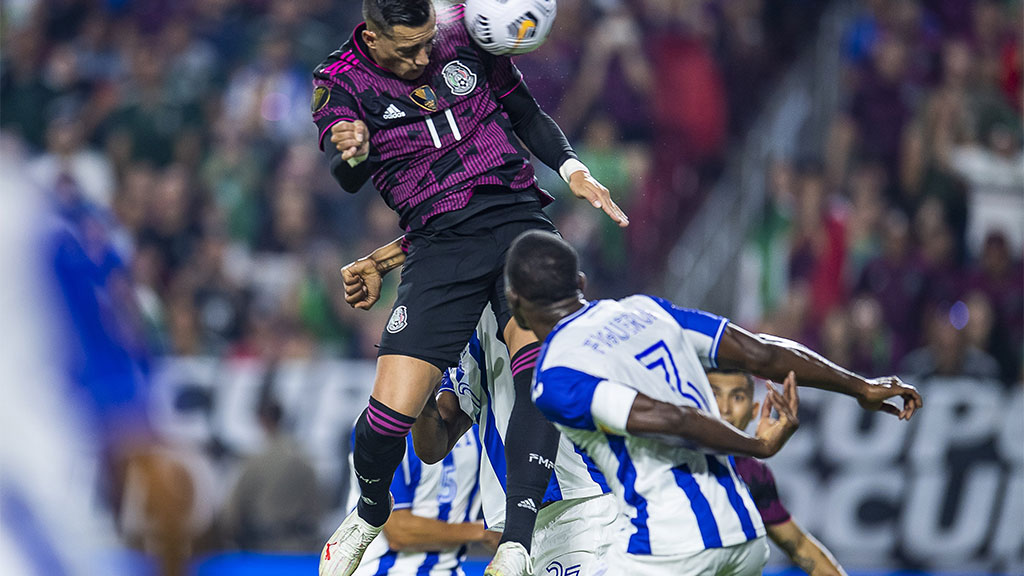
[362, 281]
[352, 139]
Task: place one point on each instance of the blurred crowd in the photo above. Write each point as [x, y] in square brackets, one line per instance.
[899, 248]
[185, 128]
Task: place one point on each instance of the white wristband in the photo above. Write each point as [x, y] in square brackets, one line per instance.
[611, 406]
[569, 167]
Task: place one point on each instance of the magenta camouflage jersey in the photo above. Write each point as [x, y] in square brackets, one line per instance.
[433, 139]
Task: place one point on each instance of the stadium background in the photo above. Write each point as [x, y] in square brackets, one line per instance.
[849, 174]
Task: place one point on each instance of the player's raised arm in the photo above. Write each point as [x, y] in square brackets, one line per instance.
[545, 139]
[773, 357]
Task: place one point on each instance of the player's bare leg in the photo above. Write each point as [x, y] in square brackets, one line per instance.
[400, 391]
[530, 448]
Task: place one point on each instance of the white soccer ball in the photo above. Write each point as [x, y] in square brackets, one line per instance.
[508, 27]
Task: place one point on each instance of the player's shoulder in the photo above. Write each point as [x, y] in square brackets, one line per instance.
[339, 66]
[753, 471]
[454, 14]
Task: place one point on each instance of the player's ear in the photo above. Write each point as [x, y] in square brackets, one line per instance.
[581, 281]
[370, 37]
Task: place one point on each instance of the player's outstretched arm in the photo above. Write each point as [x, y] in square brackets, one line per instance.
[773, 357]
[650, 417]
[410, 533]
[804, 550]
[547, 142]
[439, 426]
[363, 278]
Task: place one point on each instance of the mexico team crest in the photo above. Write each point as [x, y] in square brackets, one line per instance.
[399, 320]
[459, 78]
[425, 98]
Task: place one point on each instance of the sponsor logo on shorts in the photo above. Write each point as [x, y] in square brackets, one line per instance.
[528, 504]
[556, 569]
[399, 320]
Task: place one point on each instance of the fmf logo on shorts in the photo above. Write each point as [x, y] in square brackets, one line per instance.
[398, 321]
[556, 569]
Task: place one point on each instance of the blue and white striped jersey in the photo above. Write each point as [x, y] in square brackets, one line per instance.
[483, 383]
[447, 491]
[678, 499]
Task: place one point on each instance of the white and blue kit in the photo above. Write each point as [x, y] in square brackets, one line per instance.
[575, 524]
[448, 491]
[678, 499]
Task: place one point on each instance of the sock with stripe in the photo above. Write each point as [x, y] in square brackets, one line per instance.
[531, 443]
[379, 448]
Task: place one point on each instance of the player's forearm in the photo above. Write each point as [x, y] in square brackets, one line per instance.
[407, 532]
[389, 256]
[773, 358]
[649, 417]
[804, 550]
[350, 178]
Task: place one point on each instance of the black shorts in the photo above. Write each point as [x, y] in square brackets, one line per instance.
[448, 278]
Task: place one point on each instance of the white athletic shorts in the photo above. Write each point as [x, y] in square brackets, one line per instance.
[572, 536]
[747, 559]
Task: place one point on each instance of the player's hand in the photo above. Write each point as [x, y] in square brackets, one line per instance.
[491, 539]
[774, 432]
[882, 389]
[585, 186]
[362, 282]
[352, 139]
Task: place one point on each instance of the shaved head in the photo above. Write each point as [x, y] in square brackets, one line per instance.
[542, 268]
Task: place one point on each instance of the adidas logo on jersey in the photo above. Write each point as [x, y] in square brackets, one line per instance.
[393, 112]
[528, 504]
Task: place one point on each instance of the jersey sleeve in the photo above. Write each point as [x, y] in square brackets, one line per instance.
[331, 104]
[761, 482]
[702, 329]
[565, 395]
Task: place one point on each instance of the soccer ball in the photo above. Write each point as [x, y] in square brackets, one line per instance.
[508, 27]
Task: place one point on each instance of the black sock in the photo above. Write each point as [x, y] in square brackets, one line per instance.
[378, 451]
[531, 444]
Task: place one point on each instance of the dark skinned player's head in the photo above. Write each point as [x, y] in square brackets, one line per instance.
[400, 34]
[540, 269]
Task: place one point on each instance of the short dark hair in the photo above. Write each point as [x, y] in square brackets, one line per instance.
[746, 376]
[386, 14]
[542, 268]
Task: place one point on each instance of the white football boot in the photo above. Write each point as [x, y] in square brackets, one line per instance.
[511, 559]
[344, 549]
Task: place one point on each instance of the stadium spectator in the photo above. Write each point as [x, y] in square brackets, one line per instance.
[277, 503]
[948, 351]
[734, 393]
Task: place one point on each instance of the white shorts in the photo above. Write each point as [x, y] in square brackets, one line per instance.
[747, 559]
[572, 536]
